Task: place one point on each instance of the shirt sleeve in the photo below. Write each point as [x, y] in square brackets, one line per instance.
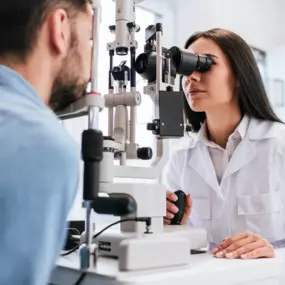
[39, 180]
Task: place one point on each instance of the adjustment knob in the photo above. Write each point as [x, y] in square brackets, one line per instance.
[144, 153]
[151, 127]
[188, 128]
[154, 126]
[112, 28]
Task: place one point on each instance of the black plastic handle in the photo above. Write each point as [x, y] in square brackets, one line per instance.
[180, 204]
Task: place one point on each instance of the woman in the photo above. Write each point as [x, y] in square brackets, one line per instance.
[232, 164]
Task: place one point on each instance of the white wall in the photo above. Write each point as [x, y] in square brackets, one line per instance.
[260, 22]
[166, 10]
[276, 70]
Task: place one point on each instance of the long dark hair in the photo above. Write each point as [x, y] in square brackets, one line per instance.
[253, 100]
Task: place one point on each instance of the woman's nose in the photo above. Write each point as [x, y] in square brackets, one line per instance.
[194, 76]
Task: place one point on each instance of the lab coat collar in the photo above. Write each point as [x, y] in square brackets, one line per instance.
[200, 159]
[260, 130]
[246, 151]
[249, 127]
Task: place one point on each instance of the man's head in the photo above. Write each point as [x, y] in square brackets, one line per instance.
[50, 40]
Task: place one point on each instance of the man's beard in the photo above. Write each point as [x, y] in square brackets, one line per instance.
[68, 86]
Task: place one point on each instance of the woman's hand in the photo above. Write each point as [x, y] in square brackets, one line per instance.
[246, 246]
[171, 209]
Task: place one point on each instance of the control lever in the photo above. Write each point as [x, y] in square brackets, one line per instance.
[180, 204]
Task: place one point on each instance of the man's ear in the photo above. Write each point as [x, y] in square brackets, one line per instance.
[59, 31]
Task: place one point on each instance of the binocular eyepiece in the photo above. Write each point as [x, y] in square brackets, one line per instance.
[186, 62]
[182, 62]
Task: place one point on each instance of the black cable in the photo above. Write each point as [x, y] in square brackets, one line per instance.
[122, 221]
[83, 275]
[71, 250]
[80, 279]
[146, 220]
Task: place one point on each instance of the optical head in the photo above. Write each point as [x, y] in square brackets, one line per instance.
[145, 65]
[186, 62]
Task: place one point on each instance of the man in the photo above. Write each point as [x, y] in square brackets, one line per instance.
[45, 59]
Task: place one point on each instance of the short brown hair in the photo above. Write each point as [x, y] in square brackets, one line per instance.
[20, 21]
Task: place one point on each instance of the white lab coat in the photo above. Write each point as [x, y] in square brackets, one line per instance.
[251, 195]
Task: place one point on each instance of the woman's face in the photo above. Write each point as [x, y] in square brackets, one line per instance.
[214, 88]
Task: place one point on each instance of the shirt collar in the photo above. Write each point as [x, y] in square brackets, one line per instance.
[21, 87]
[243, 126]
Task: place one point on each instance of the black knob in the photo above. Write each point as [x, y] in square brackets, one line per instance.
[112, 28]
[154, 126]
[151, 127]
[144, 153]
[188, 128]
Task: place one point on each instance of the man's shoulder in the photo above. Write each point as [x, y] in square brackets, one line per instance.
[37, 131]
[53, 138]
[41, 154]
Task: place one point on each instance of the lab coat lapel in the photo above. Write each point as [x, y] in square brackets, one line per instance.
[243, 155]
[200, 161]
[246, 150]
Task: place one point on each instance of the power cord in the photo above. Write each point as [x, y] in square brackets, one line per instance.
[146, 220]
[80, 279]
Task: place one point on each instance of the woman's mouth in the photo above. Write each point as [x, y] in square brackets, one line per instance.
[195, 92]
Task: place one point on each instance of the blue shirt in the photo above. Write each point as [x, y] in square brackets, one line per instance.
[39, 170]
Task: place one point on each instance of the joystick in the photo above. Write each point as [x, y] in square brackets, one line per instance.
[180, 204]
